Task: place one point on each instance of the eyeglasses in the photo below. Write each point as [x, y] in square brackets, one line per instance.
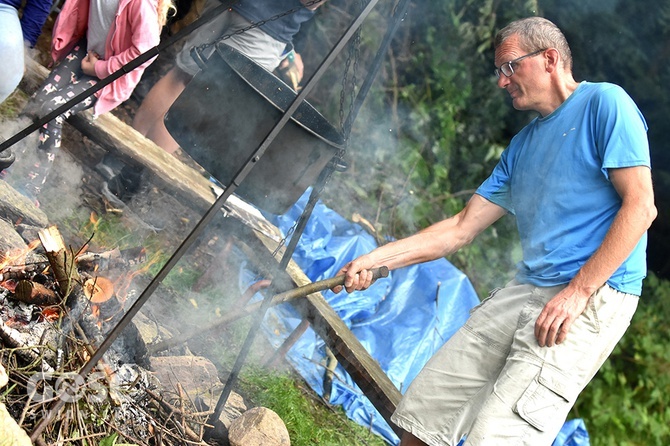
[507, 68]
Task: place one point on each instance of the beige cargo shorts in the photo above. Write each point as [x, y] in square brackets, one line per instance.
[493, 385]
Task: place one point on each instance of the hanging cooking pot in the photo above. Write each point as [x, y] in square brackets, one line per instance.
[227, 111]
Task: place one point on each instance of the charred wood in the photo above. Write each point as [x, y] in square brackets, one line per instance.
[20, 272]
[35, 293]
[23, 346]
[115, 258]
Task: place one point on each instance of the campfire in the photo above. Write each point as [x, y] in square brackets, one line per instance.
[57, 305]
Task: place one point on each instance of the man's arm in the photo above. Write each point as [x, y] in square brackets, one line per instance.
[437, 240]
[637, 212]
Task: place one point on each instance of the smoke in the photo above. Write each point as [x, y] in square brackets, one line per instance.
[60, 194]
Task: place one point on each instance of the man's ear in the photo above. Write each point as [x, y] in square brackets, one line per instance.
[552, 59]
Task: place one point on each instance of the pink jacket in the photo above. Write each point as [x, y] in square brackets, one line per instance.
[134, 31]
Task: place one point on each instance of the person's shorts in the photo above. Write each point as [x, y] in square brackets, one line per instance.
[493, 384]
[254, 43]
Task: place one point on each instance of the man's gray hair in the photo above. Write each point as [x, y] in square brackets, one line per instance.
[536, 33]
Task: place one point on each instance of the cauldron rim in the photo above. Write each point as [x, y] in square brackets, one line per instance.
[238, 62]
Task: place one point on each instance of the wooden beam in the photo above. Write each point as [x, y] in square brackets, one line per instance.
[168, 172]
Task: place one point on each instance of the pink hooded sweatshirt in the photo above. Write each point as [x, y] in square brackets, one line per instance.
[134, 31]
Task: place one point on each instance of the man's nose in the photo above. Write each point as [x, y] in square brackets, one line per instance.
[503, 81]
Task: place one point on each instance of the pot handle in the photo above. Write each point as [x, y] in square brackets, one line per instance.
[196, 54]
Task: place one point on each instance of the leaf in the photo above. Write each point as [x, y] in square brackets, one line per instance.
[109, 441]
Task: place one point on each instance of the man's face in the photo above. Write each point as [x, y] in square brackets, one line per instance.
[524, 85]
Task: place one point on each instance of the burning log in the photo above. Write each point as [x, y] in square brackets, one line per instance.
[63, 267]
[98, 290]
[35, 293]
[20, 272]
[100, 293]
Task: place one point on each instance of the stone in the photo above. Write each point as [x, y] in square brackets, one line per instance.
[150, 331]
[233, 409]
[16, 208]
[196, 375]
[10, 432]
[10, 241]
[259, 426]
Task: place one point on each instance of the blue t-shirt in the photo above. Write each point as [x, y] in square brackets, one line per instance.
[554, 178]
[282, 29]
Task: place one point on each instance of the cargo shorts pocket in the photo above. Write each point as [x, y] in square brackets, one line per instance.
[547, 399]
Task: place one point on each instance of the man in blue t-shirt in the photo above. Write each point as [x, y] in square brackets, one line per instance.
[578, 181]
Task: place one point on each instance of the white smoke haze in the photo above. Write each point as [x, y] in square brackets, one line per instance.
[62, 188]
[153, 217]
[371, 155]
[373, 158]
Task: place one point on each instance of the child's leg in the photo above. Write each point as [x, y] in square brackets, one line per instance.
[64, 83]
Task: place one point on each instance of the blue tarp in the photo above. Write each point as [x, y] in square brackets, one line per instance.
[401, 320]
[573, 433]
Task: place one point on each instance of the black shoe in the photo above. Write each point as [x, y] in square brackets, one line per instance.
[7, 158]
[109, 167]
[122, 187]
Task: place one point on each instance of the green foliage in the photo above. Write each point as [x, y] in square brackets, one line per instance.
[626, 404]
[607, 48]
[308, 421]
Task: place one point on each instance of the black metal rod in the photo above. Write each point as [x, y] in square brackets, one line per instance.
[130, 66]
[253, 330]
[304, 217]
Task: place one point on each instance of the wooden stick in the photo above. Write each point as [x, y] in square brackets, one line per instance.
[280, 298]
[288, 343]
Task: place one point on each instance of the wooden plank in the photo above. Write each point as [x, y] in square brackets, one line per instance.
[189, 183]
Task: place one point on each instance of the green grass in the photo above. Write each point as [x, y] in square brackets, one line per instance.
[11, 106]
[308, 420]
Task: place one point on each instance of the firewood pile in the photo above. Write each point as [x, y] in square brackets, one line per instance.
[57, 304]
